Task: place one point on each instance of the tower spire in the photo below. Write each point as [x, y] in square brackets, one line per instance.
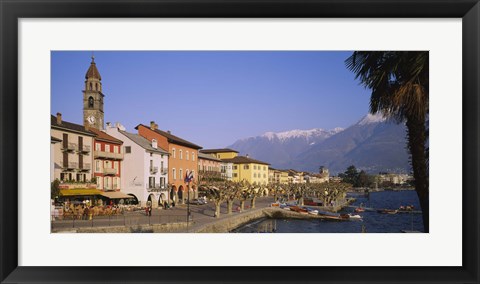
[93, 57]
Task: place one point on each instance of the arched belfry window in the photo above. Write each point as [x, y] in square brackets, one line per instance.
[98, 87]
[91, 86]
[90, 102]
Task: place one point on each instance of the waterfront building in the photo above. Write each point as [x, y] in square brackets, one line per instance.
[144, 169]
[53, 141]
[183, 159]
[248, 169]
[224, 153]
[274, 175]
[209, 168]
[107, 161]
[284, 177]
[72, 158]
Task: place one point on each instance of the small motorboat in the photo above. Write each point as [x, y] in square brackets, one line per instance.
[356, 217]
[387, 211]
[359, 210]
[298, 209]
[312, 211]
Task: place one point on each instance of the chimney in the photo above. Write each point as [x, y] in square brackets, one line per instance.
[156, 126]
[168, 131]
[246, 155]
[109, 124]
[152, 125]
[59, 118]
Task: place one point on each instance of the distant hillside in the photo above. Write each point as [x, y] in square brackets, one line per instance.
[372, 144]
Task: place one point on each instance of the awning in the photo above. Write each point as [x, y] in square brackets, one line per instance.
[79, 192]
[116, 195]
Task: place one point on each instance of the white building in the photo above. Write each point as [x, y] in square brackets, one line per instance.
[144, 169]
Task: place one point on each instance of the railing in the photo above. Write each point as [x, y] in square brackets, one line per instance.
[70, 165]
[85, 148]
[108, 155]
[164, 171]
[109, 171]
[85, 167]
[81, 219]
[153, 170]
[156, 187]
[74, 185]
[70, 147]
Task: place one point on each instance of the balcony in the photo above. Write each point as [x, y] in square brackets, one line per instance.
[69, 147]
[155, 188]
[163, 171]
[70, 165]
[84, 149]
[109, 171]
[108, 155]
[85, 167]
[153, 170]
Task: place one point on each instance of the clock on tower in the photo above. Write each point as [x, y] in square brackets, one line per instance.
[93, 98]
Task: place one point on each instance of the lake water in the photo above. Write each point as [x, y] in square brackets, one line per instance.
[373, 222]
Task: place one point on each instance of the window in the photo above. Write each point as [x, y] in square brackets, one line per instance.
[90, 99]
[161, 166]
[98, 166]
[181, 174]
[162, 182]
[193, 156]
[245, 167]
[254, 167]
[254, 175]
[235, 175]
[181, 154]
[97, 147]
[186, 155]
[107, 148]
[115, 183]
[115, 149]
[264, 175]
[115, 166]
[174, 174]
[264, 168]
[99, 183]
[106, 183]
[151, 182]
[234, 167]
[107, 165]
[174, 153]
[128, 149]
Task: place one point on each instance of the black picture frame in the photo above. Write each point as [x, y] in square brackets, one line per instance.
[11, 11]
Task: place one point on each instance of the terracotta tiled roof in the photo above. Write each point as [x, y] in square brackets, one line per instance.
[92, 71]
[70, 126]
[173, 139]
[208, 157]
[212, 151]
[105, 137]
[244, 160]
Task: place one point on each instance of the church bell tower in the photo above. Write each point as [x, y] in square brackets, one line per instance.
[93, 98]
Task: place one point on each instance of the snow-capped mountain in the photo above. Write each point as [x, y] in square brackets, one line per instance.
[373, 144]
[282, 147]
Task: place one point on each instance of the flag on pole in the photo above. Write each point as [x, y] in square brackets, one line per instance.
[188, 176]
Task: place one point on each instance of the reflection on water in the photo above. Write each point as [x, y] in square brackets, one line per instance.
[373, 222]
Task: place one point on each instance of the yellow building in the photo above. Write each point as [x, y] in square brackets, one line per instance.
[221, 153]
[284, 177]
[250, 170]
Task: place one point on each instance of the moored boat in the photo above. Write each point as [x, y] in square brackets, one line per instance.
[387, 211]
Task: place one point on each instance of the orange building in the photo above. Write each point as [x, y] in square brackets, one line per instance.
[183, 158]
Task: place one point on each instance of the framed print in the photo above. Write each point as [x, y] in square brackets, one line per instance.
[239, 141]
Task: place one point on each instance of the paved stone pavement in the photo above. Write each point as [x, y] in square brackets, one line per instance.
[201, 215]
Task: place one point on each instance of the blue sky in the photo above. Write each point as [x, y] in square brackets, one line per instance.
[213, 98]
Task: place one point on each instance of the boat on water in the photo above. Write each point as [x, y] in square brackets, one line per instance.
[388, 211]
[355, 217]
[298, 209]
[359, 210]
[312, 211]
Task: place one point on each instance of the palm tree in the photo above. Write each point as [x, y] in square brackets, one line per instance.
[399, 81]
